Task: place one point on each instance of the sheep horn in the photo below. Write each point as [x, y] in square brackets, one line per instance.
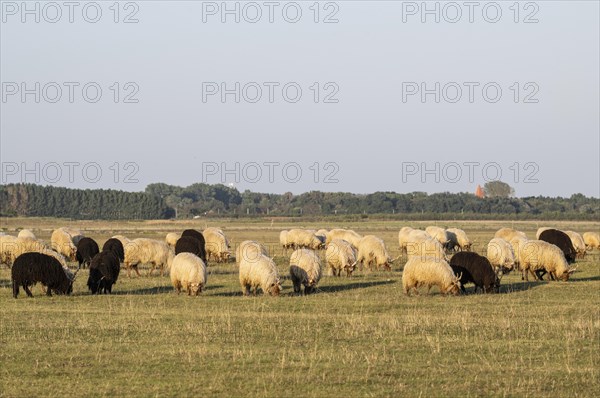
[459, 276]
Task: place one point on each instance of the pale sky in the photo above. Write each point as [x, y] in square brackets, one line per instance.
[368, 131]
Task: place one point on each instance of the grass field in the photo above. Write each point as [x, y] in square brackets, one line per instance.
[358, 336]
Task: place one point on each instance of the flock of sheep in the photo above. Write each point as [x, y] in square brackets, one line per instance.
[436, 257]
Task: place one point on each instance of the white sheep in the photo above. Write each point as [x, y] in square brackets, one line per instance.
[26, 234]
[341, 255]
[249, 249]
[322, 235]
[300, 238]
[591, 240]
[538, 255]
[508, 234]
[123, 239]
[62, 242]
[171, 239]
[7, 246]
[74, 233]
[429, 271]
[459, 238]
[305, 269]
[578, 243]
[439, 234]
[501, 256]
[188, 272]
[283, 240]
[11, 248]
[403, 237]
[216, 244]
[372, 252]
[420, 243]
[345, 234]
[147, 251]
[259, 273]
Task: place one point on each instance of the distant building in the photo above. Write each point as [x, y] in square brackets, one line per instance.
[479, 192]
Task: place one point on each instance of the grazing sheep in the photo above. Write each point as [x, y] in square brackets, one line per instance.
[250, 250]
[26, 234]
[429, 271]
[305, 269]
[116, 246]
[458, 239]
[578, 243]
[259, 273]
[463, 275]
[591, 240]
[283, 240]
[403, 237]
[300, 238]
[171, 239]
[508, 234]
[340, 255]
[189, 244]
[518, 244]
[438, 234]
[7, 247]
[12, 247]
[346, 234]
[539, 255]
[372, 251]
[104, 272]
[501, 256]
[147, 251]
[216, 245]
[123, 239]
[562, 240]
[62, 243]
[188, 272]
[421, 244]
[87, 248]
[480, 271]
[31, 268]
[322, 235]
[74, 233]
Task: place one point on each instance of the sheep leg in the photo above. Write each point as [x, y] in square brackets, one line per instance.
[26, 288]
[49, 291]
[135, 268]
[15, 287]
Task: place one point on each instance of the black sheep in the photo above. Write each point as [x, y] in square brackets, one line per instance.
[481, 271]
[104, 272]
[87, 248]
[562, 240]
[465, 276]
[31, 268]
[190, 244]
[114, 245]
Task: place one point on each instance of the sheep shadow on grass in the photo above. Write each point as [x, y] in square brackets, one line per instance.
[6, 283]
[352, 286]
[586, 279]
[146, 290]
[520, 286]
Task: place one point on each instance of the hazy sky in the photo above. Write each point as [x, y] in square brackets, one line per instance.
[368, 130]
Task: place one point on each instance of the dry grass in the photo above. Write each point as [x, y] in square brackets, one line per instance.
[356, 337]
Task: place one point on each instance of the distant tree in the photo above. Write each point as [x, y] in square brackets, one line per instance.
[498, 189]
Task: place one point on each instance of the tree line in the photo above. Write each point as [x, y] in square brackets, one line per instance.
[163, 201]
